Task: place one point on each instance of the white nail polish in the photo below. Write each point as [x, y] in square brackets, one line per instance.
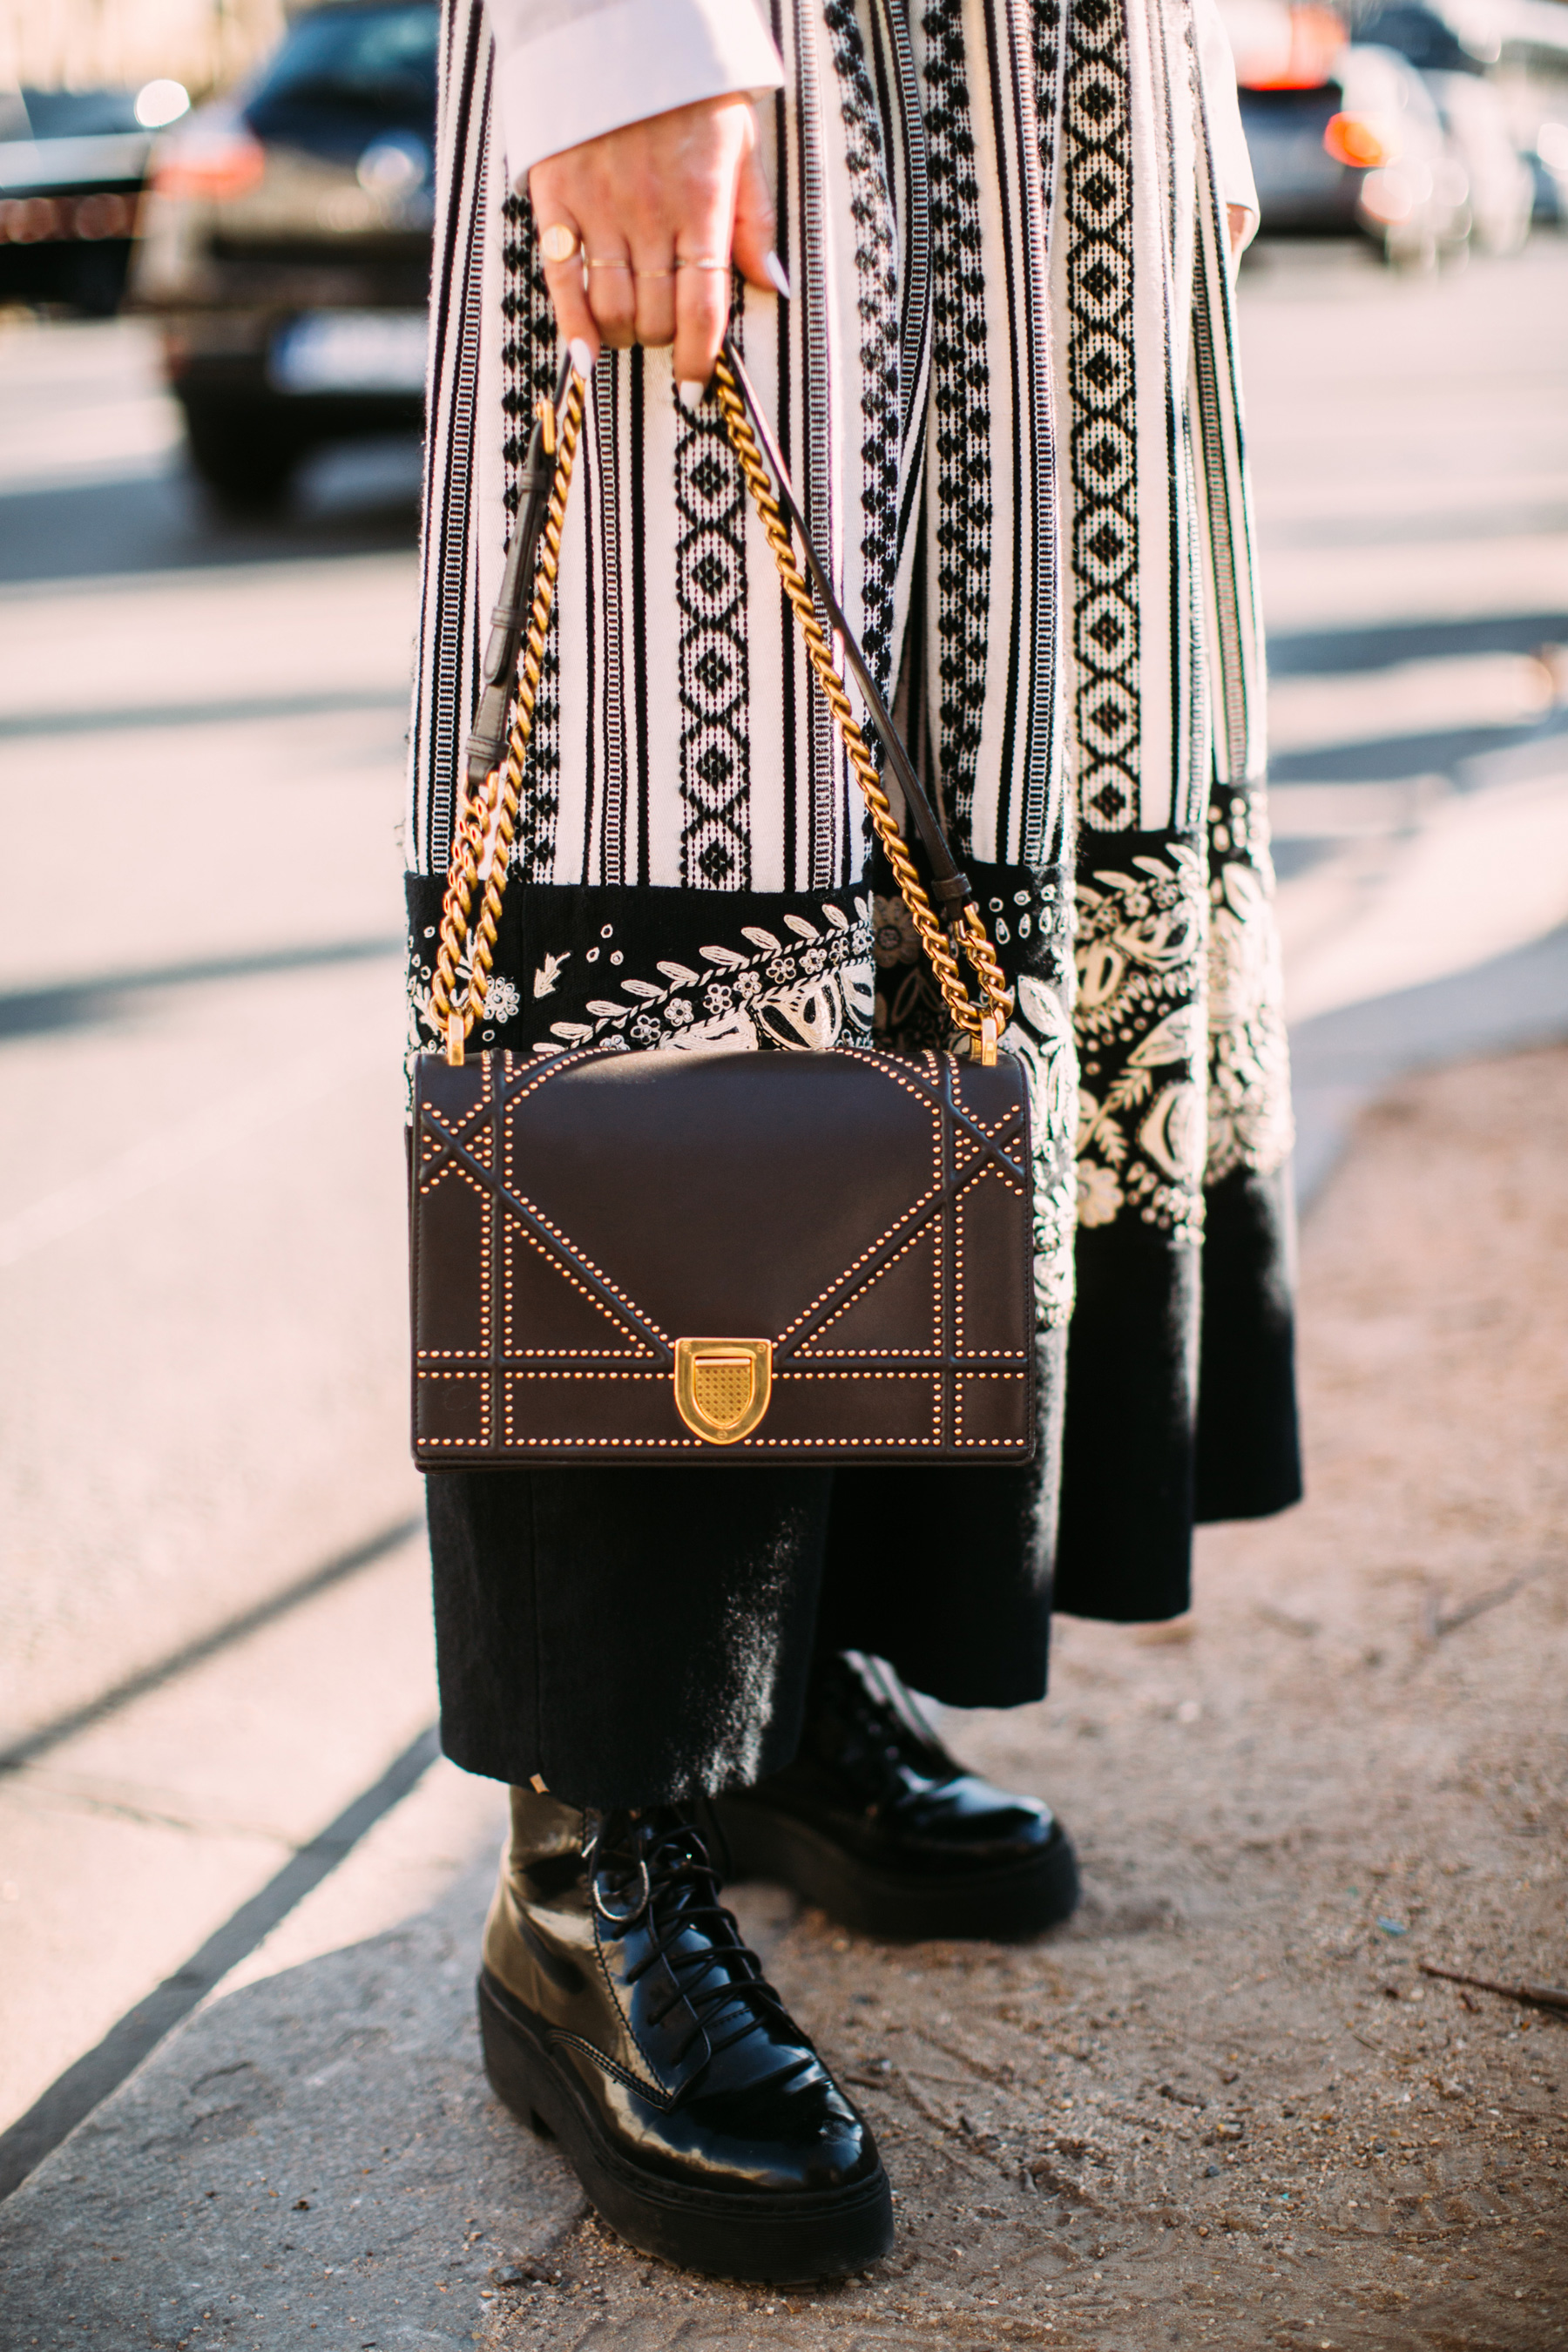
[775, 270]
[689, 395]
[582, 358]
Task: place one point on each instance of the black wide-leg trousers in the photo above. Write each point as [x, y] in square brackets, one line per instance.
[633, 1635]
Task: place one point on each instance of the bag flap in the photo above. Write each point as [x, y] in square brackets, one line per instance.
[827, 1203]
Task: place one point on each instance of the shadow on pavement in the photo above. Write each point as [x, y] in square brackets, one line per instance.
[81, 1005]
[1325, 653]
[1385, 759]
[356, 501]
[1341, 1060]
[1437, 526]
[238, 710]
[317, 2152]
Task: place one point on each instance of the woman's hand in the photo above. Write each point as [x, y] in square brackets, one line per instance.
[660, 208]
[1240, 221]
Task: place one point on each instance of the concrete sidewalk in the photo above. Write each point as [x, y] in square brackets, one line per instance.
[315, 2153]
[1341, 1061]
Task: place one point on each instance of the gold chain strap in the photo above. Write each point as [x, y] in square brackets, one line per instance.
[493, 812]
[986, 1021]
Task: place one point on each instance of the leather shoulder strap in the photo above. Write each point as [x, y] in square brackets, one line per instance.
[498, 666]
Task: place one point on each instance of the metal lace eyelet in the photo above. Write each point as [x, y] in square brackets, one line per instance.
[623, 1918]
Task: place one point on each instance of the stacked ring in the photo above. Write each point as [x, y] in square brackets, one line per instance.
[561, 243]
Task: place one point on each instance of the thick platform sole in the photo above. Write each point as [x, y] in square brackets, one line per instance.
[991, 1906]
[777, 2237]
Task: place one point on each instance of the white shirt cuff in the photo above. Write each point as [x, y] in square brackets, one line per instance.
[598, 69]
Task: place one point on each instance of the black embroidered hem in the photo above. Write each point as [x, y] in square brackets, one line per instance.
[640, 967]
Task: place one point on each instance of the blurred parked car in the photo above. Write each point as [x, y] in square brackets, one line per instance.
[1361, 151]
[287, 246]
[1426, 37]
[1501, 186]
[1453, 67]
[72, 162]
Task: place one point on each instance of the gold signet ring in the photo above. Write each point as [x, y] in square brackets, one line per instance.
[559, 243]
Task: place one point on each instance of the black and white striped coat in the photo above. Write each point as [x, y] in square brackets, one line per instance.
[1006, 389]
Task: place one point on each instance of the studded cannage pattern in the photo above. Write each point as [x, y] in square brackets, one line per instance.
[964, 1197]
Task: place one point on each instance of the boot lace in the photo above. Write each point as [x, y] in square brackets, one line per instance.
[654, 1869]
[882, 1733]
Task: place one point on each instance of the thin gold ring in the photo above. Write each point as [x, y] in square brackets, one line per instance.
[594, 262]
[700, 261]
[560, 242]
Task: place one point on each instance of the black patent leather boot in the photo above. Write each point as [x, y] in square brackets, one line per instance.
[876, 1823]
[621, 2011]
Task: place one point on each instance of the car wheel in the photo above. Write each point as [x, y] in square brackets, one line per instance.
[240, 456]
[96, 278]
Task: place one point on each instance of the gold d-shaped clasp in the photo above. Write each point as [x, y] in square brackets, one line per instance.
[722, 1386]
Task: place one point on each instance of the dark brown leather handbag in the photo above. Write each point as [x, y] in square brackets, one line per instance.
[722, 1257]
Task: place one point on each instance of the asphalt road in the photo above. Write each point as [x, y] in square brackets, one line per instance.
[202, 1396]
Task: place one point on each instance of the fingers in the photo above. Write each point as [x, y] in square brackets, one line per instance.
[655, 285]
[756, 227]
[565, 277]
[744, 239]
[612, 287]
[701, 314]
[569, 298]
[702, 282]
[654, 213]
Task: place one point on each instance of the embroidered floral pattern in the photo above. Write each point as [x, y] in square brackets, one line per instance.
[893, 935]
[806, 986]
[501, 999]
[1040, 1035]
[1250, 1122]
[1029, 922]
[1143, 940]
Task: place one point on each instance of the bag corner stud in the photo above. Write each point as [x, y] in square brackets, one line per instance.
[722, 1386]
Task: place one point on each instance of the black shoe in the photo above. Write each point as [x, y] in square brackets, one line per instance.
[876, 1823]
[621, 2011]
